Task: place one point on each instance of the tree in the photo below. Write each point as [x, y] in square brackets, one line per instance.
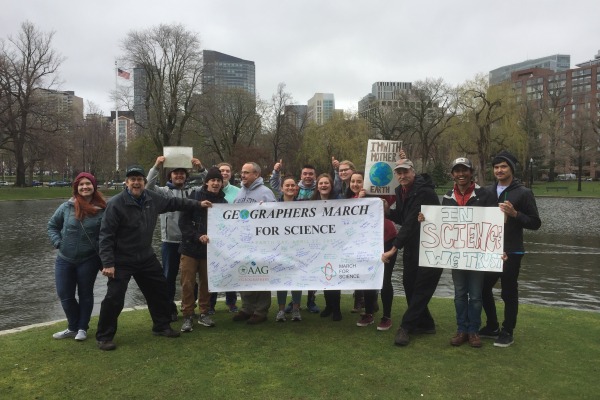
[386, 120]
[582, 139]
[343, 137]
[171, 59]
[429, 110]
[28, 64]
[276, 126]
[228, 122]
[481, 108]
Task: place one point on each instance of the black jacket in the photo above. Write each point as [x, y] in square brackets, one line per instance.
[527, 217]
[128, 226]
[407, 212]
[193, 224]
[481, 197]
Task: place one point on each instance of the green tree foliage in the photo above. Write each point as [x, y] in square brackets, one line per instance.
[344, 137]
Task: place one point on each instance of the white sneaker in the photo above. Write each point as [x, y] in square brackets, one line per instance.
[81, 335]
[280, 316]
[66, 334]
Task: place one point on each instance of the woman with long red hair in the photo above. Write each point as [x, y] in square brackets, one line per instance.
[74, 230]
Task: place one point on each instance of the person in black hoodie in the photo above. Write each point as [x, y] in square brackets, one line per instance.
[193, 251]
[419, 282]
[520, 209]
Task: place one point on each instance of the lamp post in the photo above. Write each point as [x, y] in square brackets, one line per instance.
[531, 172]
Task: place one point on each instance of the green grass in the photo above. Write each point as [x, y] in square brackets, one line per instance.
[38, 193]
[556, 355]
[588, 189]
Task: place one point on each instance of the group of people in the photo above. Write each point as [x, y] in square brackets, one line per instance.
[115, 237]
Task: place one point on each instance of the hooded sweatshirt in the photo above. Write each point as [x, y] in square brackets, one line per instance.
[257, 192]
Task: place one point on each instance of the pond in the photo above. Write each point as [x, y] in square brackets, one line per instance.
[560, 269]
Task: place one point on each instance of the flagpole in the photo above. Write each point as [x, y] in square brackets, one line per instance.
[116, 119]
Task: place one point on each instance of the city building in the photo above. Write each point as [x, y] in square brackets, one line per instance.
[225, 71]
[556, 63]
[320, 108]
[64, 103]
[296, 116]
[383, 94]
[573, 95]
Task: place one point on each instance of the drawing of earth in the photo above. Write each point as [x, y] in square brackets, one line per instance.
[381, 174]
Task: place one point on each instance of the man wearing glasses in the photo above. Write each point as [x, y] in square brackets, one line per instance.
[255, 304]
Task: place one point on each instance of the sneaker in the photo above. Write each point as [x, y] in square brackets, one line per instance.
[505, 339]
[296, 315]
[106, 345]
[241, 316]
[401, 338]
[288, 308]
[188, 324]
[211, 311]
[459, 338]
[326, 312]
[233, 308]
[313, 308]
[81, 335]
[385, 324]
[474, 340]
[205, 320]
[280, 317]
[170, 333]
[66, 334]
[256, 319]
[336, 316]
[487, 332]
[366, 320]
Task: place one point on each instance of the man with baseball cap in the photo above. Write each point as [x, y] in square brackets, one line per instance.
[467, 284]
[419, 282]
[169, 222]
[520, 209]
[125, 247]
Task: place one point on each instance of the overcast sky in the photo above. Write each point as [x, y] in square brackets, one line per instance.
[336, 46]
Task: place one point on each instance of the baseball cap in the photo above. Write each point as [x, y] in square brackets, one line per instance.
[135, 170]
[462, 161]
[404, 163]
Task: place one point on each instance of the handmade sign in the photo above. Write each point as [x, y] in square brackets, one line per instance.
[470, 238]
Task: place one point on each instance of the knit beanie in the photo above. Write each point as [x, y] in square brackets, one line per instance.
[504, 155]
[213, 173]
[81, 176]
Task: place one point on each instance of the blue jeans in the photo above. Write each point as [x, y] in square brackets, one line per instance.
[81, 277]
[170, 263]
[467, 299]
[282, 296]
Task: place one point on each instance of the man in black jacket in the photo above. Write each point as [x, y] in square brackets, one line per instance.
[419, 282]
[520, 209]
[126, 251]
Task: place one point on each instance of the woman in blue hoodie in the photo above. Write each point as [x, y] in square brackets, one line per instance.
[74, 230]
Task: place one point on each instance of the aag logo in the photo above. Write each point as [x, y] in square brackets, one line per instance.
[253, 269]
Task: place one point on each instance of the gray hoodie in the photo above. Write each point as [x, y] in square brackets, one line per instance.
[257, 192]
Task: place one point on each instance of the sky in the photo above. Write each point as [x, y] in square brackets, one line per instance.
[336, 46]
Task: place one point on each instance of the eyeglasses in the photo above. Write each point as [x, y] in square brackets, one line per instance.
[344, 170]
[248, 172]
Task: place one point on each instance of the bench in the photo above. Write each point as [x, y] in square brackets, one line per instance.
[557, 188]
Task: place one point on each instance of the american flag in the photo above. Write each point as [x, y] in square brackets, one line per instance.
[123, 74]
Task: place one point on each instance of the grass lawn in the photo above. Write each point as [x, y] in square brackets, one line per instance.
[556, 355]
[553, 189]
[38, 193]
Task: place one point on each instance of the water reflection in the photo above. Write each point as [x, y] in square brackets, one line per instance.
[560, 268]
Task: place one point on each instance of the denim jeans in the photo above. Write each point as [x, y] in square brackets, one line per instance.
[81, 277]
[467, 299]
[282, 296]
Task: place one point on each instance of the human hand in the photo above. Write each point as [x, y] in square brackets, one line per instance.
[277, 167]
[109, 272]
[335, 163]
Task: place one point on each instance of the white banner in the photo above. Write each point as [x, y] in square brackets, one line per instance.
[379, 166]
[178, 156]
[296, 245]
[470, 238]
